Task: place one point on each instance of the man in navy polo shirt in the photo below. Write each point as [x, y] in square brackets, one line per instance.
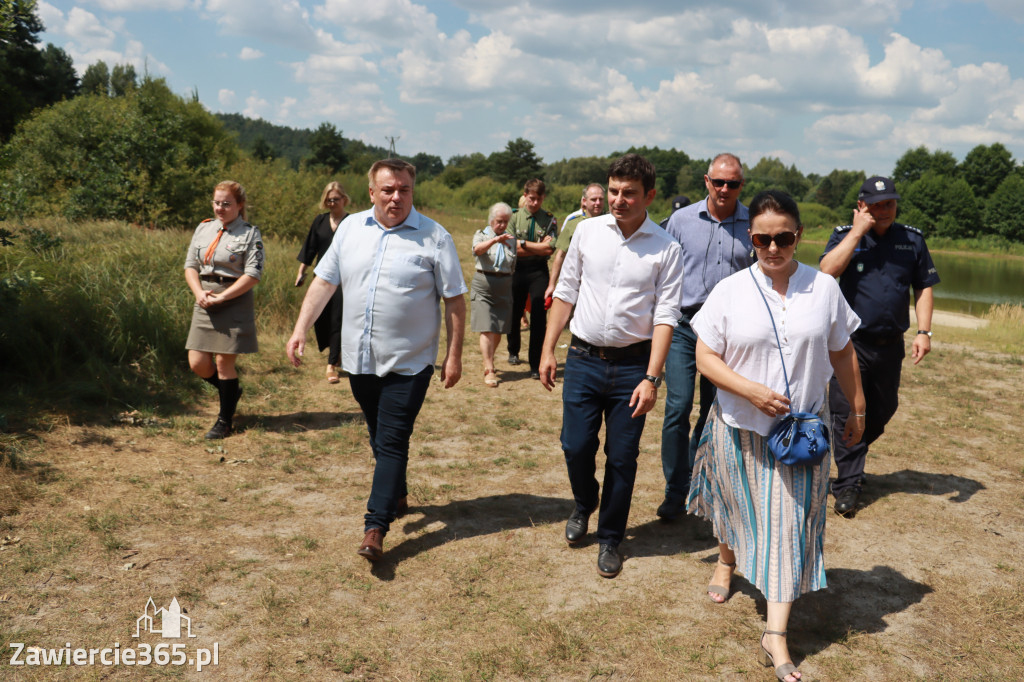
[878, 261]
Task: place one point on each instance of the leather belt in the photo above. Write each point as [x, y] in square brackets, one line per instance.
[495, 274]
[219, 279]
[611, 353]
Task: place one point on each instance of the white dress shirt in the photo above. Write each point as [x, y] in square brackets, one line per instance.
[621, 287]
[812, 320]
[392, 281]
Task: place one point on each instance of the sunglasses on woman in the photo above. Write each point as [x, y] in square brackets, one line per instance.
[782, 240]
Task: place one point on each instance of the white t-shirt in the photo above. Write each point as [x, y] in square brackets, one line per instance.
[813, 320]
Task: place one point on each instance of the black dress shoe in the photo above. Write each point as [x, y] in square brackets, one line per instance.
[846, 501]
[576, 526]
[535, 375]
[671, 508]
[221, 429]
[513, 359]
[608, 562]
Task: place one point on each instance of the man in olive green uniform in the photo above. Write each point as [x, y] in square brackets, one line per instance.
[591, 205]
[534, 230]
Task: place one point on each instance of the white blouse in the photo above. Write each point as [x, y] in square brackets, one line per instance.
[812, 320]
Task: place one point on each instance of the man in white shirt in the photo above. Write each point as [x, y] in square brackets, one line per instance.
[394, 267]
[624, 275]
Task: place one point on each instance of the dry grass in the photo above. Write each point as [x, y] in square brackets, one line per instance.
[256, 537]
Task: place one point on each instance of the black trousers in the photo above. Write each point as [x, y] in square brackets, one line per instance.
[529, 281]
[880, 368]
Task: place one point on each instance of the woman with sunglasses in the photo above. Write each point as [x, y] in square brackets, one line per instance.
[328, 326]
[769, 518]
[223, 264]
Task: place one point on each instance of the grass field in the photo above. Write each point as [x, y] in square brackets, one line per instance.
[255, 536]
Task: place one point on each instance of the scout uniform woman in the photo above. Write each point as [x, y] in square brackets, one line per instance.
[223, 264]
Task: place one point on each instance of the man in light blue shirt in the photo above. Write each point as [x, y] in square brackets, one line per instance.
[394, 266]
[713, 234]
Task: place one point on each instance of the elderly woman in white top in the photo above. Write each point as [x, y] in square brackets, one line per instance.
[769, 517]
[490, 294]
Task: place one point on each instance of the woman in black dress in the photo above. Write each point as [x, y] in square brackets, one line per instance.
[328, 326]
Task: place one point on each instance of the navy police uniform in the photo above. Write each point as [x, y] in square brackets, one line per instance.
[877, 284]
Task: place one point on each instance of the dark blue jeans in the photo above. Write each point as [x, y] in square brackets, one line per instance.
[594, 389]
[390, 404]
[678, 445]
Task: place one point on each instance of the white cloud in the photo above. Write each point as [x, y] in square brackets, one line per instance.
[387, 22]
[143, 5]
[852, 127]
[908, 72]
[279, 22]
[255, 106]
[226, 97]
[249, 53]
[85, 29]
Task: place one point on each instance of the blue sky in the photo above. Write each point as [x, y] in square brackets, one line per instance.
[821, 84]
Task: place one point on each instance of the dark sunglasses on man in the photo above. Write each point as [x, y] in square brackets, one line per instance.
[731, 184]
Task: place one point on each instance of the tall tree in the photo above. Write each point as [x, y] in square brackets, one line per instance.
[984, 168]
[833, 188]
[122, 80]
[96, 79]
[29, 77]
[327, 147]
[517, 163]
[427, 165]
[947, 202]
[261, 149]
[916, 162]
[1004, 210]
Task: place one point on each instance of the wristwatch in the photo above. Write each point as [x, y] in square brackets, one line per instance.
[653, 379]
[928, 334]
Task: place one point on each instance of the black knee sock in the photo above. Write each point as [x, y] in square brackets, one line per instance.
[213, 380]
[229, 395]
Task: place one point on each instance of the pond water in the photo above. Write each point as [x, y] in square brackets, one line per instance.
[970, 284]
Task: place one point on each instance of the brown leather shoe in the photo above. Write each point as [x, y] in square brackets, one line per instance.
[373, 544]
[403, 507]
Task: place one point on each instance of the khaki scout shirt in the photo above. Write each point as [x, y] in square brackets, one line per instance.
[533, 228]
[239, 251]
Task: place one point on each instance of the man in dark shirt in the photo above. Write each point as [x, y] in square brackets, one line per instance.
[878, 261]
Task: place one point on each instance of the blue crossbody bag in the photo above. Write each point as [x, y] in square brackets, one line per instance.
[801, 438]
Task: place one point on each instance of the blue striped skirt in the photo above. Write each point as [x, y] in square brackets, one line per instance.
[771, 515]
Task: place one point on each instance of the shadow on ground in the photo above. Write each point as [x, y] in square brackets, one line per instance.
[921, 483]
[299, 422]
[463, 519]
[856, 601]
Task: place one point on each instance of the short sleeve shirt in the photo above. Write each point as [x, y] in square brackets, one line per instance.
[485, 262]
[533, 227]
[812, 320]
[568, 230]
[712, 250]
[392, 281]
[883, 270]
[239, 251]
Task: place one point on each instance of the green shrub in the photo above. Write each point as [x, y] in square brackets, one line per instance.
[149, 157]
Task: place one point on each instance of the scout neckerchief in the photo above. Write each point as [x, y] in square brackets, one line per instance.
[213, 246]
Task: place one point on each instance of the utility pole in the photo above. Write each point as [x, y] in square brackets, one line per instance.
[391, 149]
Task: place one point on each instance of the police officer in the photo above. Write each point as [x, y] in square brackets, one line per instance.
[223, 264]
[534, 230]
[877, 261]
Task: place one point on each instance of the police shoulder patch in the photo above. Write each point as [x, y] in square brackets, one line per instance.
[908, 228]
[844, 228]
